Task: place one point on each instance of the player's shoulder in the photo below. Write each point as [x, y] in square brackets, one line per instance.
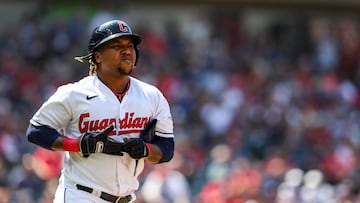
[86, 82]
[144, 86]
[83, 82]
[80, 85]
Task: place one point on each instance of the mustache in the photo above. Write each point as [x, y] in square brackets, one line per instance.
[125, 57]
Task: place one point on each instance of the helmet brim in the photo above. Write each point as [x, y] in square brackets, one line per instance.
[136, 39]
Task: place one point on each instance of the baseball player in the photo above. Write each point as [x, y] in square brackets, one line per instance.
[107, 123]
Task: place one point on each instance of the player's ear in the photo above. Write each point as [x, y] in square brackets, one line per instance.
[97, 57]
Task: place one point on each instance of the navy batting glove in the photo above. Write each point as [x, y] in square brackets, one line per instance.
[135, 147]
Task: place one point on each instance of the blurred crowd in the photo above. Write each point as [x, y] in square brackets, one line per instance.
[265, 117]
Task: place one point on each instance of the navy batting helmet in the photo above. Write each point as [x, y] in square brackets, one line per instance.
[110, 30]
[106, 32]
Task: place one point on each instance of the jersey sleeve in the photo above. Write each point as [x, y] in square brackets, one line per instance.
[164, 126]
[56, 111]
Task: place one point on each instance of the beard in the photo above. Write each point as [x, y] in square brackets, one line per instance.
[124, 71]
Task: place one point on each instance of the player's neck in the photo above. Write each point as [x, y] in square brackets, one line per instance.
[116, 85]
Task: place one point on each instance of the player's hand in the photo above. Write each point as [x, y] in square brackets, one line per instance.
[99, 143]
[135, 147]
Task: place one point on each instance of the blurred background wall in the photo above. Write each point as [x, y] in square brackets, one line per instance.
[265, 95]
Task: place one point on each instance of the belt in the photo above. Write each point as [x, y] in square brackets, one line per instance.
[105, 196]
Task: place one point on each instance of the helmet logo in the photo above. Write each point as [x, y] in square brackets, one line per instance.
[123, 26]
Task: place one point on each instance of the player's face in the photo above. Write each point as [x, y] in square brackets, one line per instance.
[117, 56]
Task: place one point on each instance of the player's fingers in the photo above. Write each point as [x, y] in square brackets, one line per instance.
[114, 148]
[118, 153]
[148, 131]
[105, 132]
[150, 125]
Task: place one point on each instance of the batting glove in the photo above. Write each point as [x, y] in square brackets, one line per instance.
[148, 133]
[99, 143]
[135, 147]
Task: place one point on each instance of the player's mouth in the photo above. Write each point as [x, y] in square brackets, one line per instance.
[126, 59]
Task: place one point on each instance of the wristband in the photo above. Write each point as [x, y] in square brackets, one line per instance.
[148, 145]
[71, 145]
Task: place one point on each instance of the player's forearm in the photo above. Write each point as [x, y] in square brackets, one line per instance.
[162, 150]
[155, 155]
[66, 144]
[63, 143]
[43, 136]
[49, 138]
[58, 144]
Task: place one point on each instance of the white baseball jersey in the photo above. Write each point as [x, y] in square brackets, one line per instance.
[90, 106]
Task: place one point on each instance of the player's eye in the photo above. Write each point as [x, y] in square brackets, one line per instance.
[119, 47]
[116, 46]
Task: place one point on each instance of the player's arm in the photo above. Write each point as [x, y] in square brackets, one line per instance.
[161, 139]
[51, 139]
[158, 150]
[153, 148]
[45, 137]
[161, 150]
[53, 114]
